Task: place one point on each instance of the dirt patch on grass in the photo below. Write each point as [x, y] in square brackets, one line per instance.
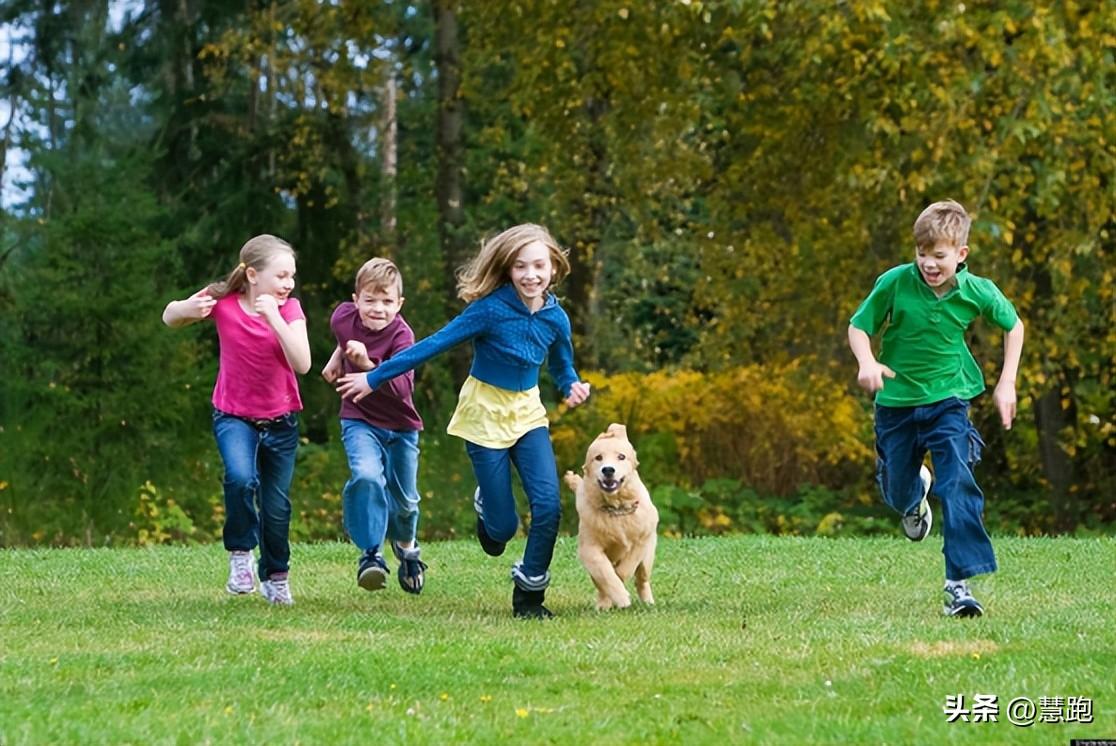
[945, 648]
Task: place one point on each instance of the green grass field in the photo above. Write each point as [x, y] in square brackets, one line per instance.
[754, 639]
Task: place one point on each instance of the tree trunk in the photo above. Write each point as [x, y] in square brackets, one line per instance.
[389, 135]
[1050, 420]
[451, 212]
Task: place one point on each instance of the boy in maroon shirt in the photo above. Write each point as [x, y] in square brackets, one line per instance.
[380, 433]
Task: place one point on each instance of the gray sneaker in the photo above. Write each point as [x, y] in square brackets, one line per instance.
[960, 602]
[242, 574]
[917, 525]
[276, 590]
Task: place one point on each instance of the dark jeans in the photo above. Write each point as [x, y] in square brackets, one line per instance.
[903, 436]
[533, 457]
[259, 463]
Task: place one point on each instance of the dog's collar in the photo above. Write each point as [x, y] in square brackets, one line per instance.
[621, 509]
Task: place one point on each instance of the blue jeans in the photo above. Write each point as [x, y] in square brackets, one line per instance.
[903, 436]
[259, 463]
[381, 497]
[533, 457]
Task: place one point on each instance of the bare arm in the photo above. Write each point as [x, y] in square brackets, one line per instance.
[189, 310]
[871, 374]
[332, 370]
[292, 336]
[1004, 394]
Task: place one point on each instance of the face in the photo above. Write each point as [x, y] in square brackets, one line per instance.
[610, 461]
[531, 272]
[378, 306]
[938, 263]
[276, 278]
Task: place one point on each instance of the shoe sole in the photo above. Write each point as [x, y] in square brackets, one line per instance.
[234, 592]
[964, 612]
[929, 525]
[372, 579]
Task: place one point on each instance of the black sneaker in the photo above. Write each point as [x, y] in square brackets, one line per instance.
[917, 525]
[411, 569]
[372, 571]
[960, 602]
[529, 605]
[490, 546]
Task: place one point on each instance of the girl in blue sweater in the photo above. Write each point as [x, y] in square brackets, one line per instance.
[516, 325]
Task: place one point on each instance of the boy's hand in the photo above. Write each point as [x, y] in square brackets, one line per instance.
[1004, 398]
[357, 354]
[332, 370]
[871, 376]
[579, 392]
[199, 305]
[354, 386]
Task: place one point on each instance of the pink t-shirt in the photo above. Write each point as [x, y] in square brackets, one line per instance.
[254, 378]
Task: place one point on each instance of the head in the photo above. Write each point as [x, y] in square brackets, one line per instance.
[267, 266]
[379, 293]
[941, 242]
[611, 460]
[525, 255]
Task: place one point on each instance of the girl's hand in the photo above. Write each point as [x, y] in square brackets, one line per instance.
[198, 306]
[332, 369]
[357, 354]
[267, 306]
[354, 386]
[579, 392]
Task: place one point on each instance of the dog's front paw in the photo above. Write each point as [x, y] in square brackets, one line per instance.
[572, 480]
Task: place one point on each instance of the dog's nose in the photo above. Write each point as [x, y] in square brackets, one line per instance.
[608, 471]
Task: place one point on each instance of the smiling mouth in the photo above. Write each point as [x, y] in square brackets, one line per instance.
[609, 485]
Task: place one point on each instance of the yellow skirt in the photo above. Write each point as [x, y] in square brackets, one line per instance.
[494, 417]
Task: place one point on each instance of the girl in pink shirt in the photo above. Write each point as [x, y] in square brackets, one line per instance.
[261, 331]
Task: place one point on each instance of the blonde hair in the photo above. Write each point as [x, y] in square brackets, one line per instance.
[942, 220]
[491, 267]
[379, 274]
[257, 253]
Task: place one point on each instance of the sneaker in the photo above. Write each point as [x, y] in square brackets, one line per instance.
[916, 525]
[276, 590]
[490, 546]
[242, 574]
[372, 571]
[529, 605]
[960, 601]
[411, 568]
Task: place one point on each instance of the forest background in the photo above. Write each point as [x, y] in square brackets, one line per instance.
[729, 177]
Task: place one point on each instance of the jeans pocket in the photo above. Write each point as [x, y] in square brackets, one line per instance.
[976, 446]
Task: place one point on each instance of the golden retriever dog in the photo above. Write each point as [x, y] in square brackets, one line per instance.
[616, 520]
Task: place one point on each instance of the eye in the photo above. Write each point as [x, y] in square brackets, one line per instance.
[599, 457]
[621, 457]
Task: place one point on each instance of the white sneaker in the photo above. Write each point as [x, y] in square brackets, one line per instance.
[277, 591]
[242, 573]
[917, 525]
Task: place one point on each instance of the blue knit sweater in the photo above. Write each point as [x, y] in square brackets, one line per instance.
[510, 343]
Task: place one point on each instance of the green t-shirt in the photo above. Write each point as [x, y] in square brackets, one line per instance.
[925, 338]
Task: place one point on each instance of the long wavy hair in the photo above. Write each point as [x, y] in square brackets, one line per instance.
[491, 267]
[257, 253]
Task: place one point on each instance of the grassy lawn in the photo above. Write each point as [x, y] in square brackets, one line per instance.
[754, 639]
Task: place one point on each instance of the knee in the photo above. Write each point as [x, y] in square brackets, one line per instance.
[240, 480]
[501, 527]
[369, 481]
[546, 512]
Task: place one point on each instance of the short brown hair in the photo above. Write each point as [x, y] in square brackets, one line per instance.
[946, 219]
[379, 274]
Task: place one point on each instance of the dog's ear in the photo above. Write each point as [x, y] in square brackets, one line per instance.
[618, 431]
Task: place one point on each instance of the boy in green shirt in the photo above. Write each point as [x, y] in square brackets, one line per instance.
[923, 382]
